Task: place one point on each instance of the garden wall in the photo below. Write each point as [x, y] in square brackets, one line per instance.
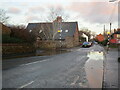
[49, 44]
[45, 44]
[17, 48]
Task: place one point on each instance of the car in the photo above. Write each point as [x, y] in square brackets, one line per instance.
[86, 44]
[95, 42]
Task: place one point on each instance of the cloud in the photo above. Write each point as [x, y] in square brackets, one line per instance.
[32, 18]
[99, 0]
[89, 0]
[14, 10]
[36, 9]
[95, 12]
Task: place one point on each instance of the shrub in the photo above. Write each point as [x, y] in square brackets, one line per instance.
[104, 43]
[8, 39]
[22, 33]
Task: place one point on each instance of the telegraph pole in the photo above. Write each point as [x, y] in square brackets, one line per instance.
[118, 26]
[104, 30]
[110, 27]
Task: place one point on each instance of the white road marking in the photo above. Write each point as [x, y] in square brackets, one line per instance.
[34, 62]
[25, 85]
[75, 80]
[81, 85]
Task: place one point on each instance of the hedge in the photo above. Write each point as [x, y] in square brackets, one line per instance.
[8, 39]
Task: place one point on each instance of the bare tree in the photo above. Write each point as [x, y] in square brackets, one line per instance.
[86, 31]
[3, 17]
[19, 31]
[55, 12]
[45, 30]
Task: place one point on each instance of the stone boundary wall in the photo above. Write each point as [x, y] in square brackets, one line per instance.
[69, 42]
[45, 44]
[49, 44]
[17, 48]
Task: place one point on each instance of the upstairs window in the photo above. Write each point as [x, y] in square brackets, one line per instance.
[40, 31]
[66, 30]
[30, 30]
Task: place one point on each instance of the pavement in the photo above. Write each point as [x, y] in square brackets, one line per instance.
[111, 69]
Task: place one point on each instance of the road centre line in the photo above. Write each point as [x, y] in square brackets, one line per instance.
[34, 62]
[75, 80]
[25, 85]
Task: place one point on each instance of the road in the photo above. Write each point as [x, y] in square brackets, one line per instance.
[81, 68]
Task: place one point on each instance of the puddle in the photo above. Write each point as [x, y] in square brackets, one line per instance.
[94, 69]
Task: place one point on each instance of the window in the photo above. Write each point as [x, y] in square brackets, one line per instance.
[66, 30]
[40, 31]
[30, 30]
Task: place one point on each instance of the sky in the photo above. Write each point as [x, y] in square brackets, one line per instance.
[91, 14]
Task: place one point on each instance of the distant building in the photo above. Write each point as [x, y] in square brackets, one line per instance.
[57, 31]
[100, 38]
[115, 37]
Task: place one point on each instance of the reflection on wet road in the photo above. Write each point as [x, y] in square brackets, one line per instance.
[94, 69]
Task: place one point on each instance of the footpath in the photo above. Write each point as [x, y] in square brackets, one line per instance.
[111, 69]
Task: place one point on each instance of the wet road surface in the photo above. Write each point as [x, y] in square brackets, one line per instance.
[94, 69]
[67, 70]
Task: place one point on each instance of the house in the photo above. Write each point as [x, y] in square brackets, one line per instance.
[116, 34]
[4, 29]
[100, 37]
[63, 32]
[115, 37]
[41, 30]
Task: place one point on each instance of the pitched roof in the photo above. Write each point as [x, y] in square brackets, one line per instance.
[36, 27]
[48, 28]
[67, 26]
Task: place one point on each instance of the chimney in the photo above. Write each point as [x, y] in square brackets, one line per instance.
[115, 30]
[57, 24]
[58, 19]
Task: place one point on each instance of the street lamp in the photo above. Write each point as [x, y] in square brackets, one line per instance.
[118, 26]
[112, 13]
[112, 0]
